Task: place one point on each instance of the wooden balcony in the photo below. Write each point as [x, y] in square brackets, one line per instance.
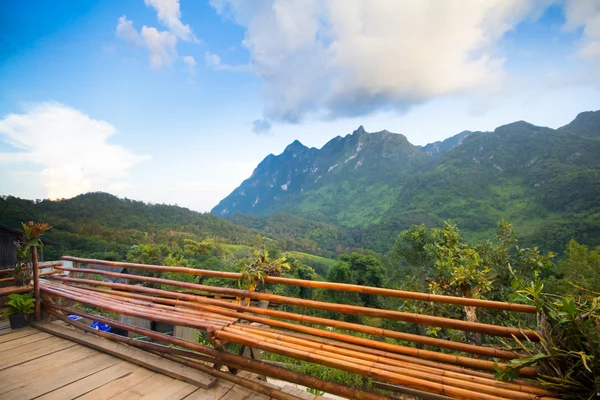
[398, 362]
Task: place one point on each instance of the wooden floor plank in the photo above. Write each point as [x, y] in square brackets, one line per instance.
[30, 351]
[91, 382]
[242, 393]
[183, 393]
[133, 355]
[23, 340]
[55, 368]
[119, 385]
[52, 363]
[48, 380]
[159, 387]
[214, 393]
[299, 392]
[17, 333]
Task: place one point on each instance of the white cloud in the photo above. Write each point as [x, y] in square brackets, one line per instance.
[161, 45]
[72, 148]
[127, 32]
[169, 14]
[586, 14]
[352, 57]
[215, 62]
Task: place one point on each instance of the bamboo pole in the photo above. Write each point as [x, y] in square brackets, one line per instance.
[49, 264]
[394, 356]
[463, 347]
[395, 348]
[490, 381]
[150, 303]
[487, 386]
[375, 373]
[343, 308]
[177, 354]
[238, 361]
[463, 301]
[419, 394]
[45, 273]
[132, 312]
[270, 344]
[172, 316]
[36, 283]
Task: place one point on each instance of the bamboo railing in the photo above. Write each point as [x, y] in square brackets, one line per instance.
[497, 305]
[378, 355]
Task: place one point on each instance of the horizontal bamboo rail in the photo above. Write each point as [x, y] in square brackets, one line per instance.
[489, 387]
[42, 274]
[497, 305]
[367, 371]
[425, 340]
[282, 336]
[338, 308]
[394, 348]
[5, 291]
[235, 360]
[198, 324]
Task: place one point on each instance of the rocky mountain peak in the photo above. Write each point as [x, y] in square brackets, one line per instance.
[360, 129]
[295, 146]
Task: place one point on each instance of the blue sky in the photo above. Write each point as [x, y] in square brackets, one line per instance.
[176, 102]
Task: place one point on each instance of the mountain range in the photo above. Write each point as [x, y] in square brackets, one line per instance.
[366, 187]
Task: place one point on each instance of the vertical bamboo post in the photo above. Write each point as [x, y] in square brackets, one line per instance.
[36, 283]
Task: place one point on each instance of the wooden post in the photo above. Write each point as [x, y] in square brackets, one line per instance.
[36, 283]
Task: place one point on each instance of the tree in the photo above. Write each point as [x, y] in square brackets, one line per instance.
[359, 269]
[25, 248]
[485, 269]
[199, 249]
[582, 266]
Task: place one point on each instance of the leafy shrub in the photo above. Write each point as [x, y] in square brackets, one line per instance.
[567, 355]
[18, 303]
[261, 267]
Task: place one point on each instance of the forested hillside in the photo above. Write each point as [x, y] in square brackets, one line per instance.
[361, 190]
[100, 225]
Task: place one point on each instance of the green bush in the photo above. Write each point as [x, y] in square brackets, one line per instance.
[567, 355]
[19, 304]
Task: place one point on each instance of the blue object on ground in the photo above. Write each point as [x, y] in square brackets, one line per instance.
[74, 317]
[100, 326]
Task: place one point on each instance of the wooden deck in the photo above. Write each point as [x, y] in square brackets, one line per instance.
[37, 365]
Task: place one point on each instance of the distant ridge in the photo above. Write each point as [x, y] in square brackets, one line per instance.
[379, 183]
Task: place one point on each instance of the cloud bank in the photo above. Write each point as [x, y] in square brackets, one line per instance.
[71, 147]
[339, 58]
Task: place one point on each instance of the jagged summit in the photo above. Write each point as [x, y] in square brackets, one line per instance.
[360, 129]
[299, 169]
[295, 145]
